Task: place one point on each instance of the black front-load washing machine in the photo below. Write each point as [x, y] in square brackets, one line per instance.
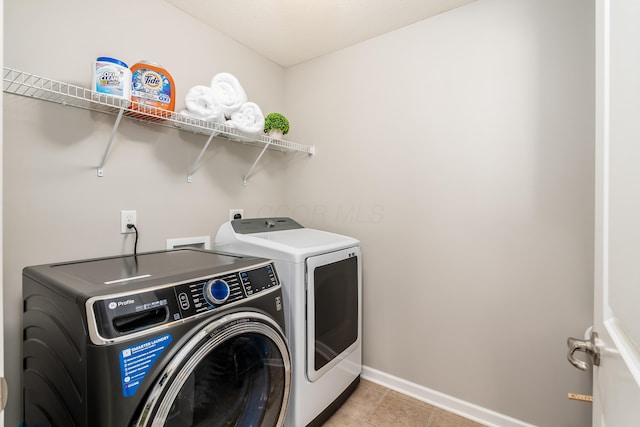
[180, 338]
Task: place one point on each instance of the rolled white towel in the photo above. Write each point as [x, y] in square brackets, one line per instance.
[228, 93]
[248, 119]
[201, 103]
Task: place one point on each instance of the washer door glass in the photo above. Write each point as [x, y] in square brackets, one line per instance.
[237, 374]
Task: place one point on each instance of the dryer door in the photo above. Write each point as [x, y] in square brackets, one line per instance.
[334, 292]
[235, 371]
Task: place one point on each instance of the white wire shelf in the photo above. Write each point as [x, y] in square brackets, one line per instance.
[30, 85]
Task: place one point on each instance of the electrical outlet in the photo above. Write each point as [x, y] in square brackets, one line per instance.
[236, 214]
[127, 217]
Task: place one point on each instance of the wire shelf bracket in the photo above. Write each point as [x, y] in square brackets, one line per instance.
[110, 142]
[246, 177]
[192, 169]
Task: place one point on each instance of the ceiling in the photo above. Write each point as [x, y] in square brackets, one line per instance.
[293, 31]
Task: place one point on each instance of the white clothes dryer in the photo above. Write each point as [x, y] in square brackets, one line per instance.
[321, 276]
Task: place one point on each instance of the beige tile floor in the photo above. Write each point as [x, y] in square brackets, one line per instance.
[372, 405]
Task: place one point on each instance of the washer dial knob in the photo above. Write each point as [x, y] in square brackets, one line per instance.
[216, 291]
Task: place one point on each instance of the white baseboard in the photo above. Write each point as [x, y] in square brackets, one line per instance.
[465, 409]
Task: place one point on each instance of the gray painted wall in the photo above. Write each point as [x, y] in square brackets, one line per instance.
[460, 150]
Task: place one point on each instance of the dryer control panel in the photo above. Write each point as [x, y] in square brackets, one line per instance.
[120, 315]
[261, 225]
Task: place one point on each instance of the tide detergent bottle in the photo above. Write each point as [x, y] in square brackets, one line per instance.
[152, 89]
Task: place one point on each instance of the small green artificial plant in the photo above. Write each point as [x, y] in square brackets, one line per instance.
[276, 121]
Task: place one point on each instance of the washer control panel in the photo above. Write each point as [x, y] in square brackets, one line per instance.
[120, 315]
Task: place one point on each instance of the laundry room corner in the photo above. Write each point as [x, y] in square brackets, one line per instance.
[447, 179]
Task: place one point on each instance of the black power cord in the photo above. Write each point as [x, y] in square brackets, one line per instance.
[135, 245]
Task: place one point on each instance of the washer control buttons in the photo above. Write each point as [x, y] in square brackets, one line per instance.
[184, 301]
[216, 291]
